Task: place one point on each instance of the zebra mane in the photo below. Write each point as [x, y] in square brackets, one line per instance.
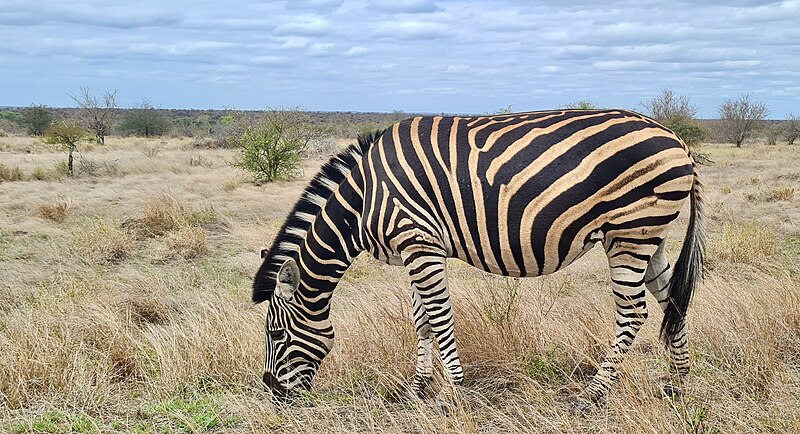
[291, 235]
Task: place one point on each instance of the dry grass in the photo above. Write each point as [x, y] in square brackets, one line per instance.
[10, 174]
[776, 194]
[744, 243]
[56, 211]
[99, 241]
[188, 242]
[103, 328]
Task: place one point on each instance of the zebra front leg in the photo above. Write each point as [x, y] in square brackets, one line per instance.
[428, 271]
[657, 280]
[627, 283]
[424, 369]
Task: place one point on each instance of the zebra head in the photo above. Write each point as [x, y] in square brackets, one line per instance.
[298, 333]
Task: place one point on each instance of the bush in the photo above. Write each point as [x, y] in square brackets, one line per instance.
[37, 119]
[145, 121]
[270, 149]
[8, 174]
[689, 130]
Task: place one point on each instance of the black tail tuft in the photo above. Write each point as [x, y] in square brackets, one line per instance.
[688, 269]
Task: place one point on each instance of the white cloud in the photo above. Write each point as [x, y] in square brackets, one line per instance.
[308, 27]
[356, 51]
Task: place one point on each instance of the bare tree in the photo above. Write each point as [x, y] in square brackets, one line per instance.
[669, 106]
[792, 130]
[97, 116]
[740, 117]
[677, 113]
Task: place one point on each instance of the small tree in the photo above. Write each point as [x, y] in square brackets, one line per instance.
[668, 106]
[145, 120]
[66, 134]
[583, 104]
[97, 116]
[677, 113]
[741, 117]
[36, 119]
[271, 147]
[792, 129]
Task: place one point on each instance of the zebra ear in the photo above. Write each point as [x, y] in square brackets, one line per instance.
[288, 280]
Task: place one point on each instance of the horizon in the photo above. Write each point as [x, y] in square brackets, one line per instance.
[415, 56]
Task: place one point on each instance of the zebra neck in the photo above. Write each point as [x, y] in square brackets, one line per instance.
[331, 244]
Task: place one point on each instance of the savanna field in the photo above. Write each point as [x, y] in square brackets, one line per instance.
[125, 307]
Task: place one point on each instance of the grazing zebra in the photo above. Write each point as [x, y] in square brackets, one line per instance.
[517, 195]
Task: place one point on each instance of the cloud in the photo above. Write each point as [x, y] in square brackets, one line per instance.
[314, 26]
[470, 56]
[413, 30]
[405, 6]
[356, 51]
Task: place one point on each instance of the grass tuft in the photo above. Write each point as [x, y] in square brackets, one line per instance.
[57, 211]
[10, 174]
[188, 242]
[101, 242]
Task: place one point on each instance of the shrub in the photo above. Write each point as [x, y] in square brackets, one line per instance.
[36, 119]
[8, 174]
[145, 121]
[689, 130]
[56, 212]
[270, 148]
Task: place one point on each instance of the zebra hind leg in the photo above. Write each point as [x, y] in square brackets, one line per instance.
[657, 281]
[424, 369]
[628, 262]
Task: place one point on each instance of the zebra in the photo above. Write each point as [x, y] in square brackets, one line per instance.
[522, 194]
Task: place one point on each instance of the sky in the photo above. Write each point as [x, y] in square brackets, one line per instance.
[433, 56]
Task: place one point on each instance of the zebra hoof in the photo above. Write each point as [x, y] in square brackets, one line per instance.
[671, 391]
[581, 407]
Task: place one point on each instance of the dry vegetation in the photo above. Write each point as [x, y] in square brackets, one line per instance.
[124, 307]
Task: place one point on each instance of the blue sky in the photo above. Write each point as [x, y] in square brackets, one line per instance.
[411, 55]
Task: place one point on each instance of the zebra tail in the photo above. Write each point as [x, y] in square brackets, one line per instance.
[689, 267]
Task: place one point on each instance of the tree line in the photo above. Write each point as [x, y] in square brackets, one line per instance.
[271, 143]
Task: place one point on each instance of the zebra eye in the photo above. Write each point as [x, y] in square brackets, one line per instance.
[277, 335]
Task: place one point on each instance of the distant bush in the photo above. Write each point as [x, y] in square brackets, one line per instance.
[270, 148]
[145, 121]
[583, 104]
[689, 130]
[37, 119]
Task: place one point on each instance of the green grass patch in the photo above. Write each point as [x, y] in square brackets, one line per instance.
[56, 422]
[192, 414]
[547, 368]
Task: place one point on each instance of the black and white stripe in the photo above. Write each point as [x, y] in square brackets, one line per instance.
[517, 195]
